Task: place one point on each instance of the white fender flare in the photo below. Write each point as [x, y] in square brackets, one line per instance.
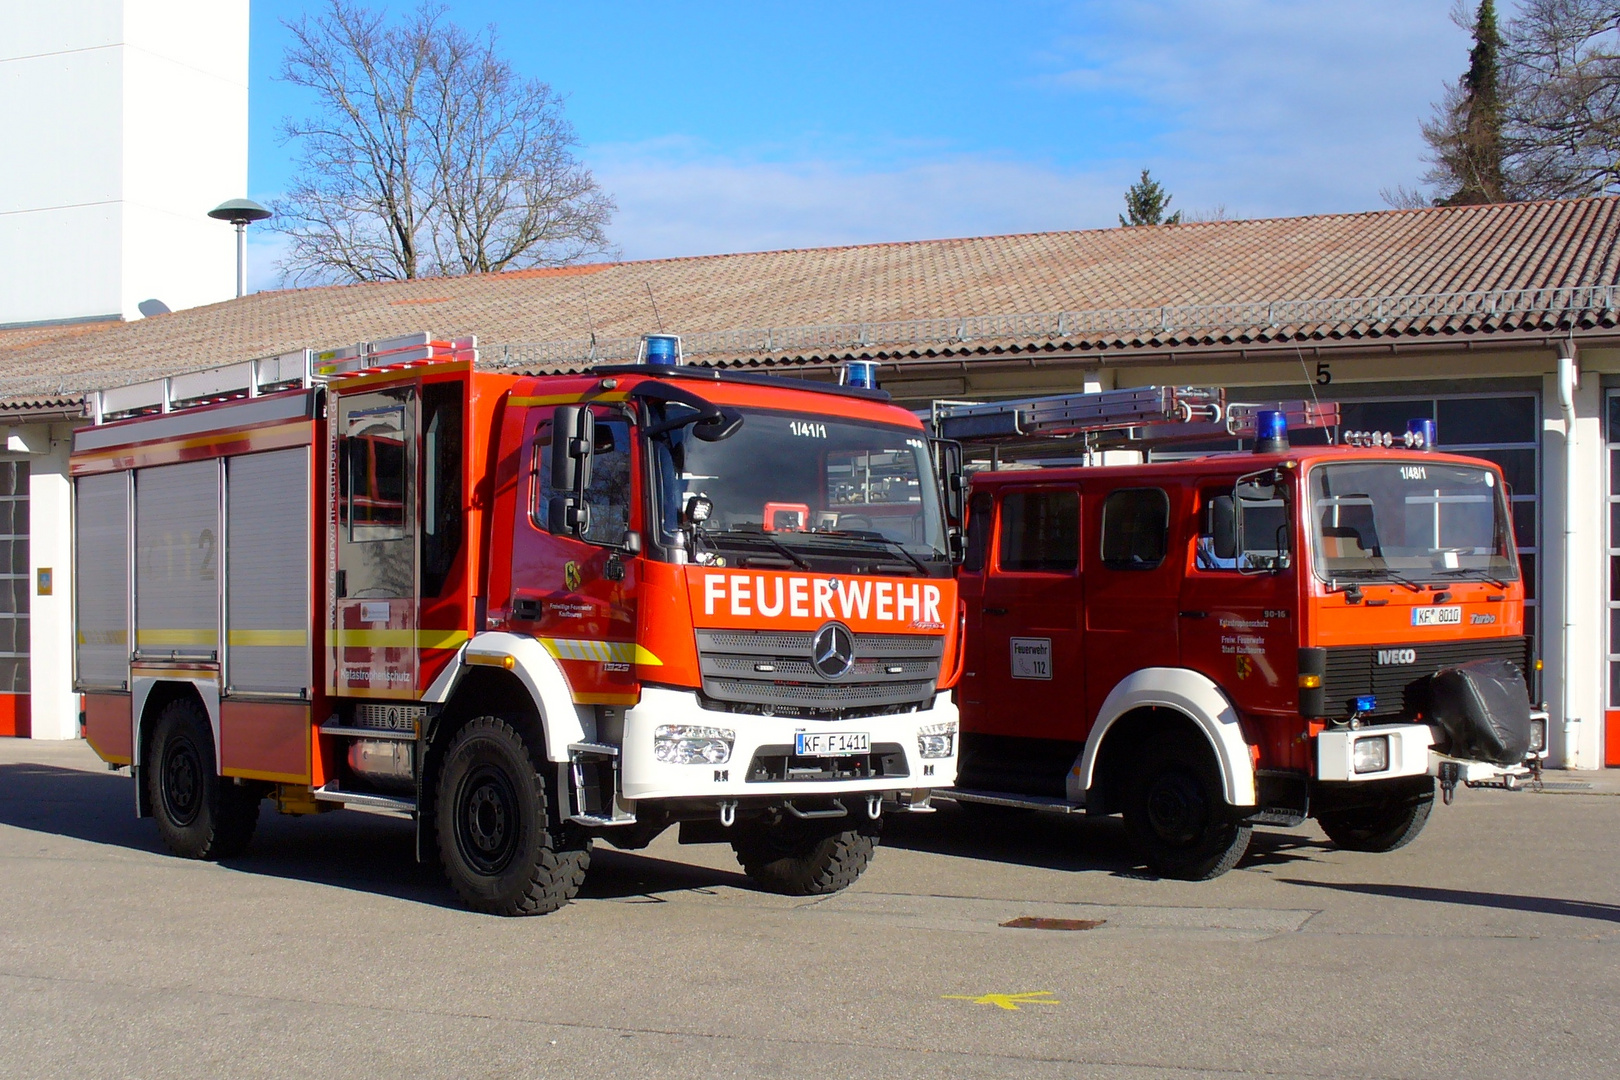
[140, 692]
[563, 721]
[1194, 696]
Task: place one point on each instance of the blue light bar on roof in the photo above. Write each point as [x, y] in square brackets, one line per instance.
[859, 373]
[661, 350]
[1270, 431]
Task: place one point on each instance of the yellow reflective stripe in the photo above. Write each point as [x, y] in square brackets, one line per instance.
[568, 399]
[399, 639]
[177, 637]
[269, 638]
[616, 652]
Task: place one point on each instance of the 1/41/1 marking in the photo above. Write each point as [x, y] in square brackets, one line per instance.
[807, 429]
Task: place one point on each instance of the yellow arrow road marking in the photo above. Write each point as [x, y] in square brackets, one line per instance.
[1010, 1002]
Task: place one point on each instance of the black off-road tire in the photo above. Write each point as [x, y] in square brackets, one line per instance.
[794, 859]
[200, 814]
[1385, 827]
[1176, 813]
[499, 841]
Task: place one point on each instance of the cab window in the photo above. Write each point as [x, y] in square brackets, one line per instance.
[1040, 532]
[1135, 528]
[981, 510]
[608, 495]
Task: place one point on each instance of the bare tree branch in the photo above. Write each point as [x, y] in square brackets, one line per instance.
[430, 155]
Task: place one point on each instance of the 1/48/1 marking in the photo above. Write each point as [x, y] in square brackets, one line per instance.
[807, 429]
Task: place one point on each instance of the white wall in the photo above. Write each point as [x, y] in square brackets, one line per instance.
[1577, 719]
[131, 118]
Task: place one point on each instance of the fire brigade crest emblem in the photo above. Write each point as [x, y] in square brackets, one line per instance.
[571, 575]
[1245, 667]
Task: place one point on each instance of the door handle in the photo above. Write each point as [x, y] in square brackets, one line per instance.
[1193, 614]
[995, 611]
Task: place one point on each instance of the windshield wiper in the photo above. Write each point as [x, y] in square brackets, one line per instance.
[798, 560]
[879, 538]
[1372, 574]
[1483, 576]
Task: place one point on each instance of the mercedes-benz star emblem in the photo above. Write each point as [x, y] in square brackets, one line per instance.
[832, 651]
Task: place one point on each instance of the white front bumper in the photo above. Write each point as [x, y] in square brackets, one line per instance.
[645, 778]
[1408, 751]
[1411, 753]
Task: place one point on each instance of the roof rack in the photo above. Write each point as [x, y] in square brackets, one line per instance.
[298, 370]
[1134, 418]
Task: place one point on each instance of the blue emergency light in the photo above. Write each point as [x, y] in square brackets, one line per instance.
[1364, 703]
[1421, 434]
[862, 374]
[1270, 431]
[661, 350]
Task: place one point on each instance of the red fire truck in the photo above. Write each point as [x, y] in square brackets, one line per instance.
[1210, 643]
[527, 611]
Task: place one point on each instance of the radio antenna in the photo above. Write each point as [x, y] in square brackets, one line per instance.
[659, 319]
[590, 323]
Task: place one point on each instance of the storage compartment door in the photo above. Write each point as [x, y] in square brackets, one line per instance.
[177, 561]
[101, 581]
[267, 556]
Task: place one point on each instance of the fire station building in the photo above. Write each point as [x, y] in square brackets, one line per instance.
[1499, 323]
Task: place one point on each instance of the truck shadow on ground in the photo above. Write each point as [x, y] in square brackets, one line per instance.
[1067, 842]
[1540, 905]
[343, 849]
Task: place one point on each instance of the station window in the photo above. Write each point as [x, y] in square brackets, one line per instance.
[1612, 433]
[14, 581]
[1040, 532]
[1135, 528]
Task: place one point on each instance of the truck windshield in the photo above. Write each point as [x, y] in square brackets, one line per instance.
[806, 484]
[1410, 522]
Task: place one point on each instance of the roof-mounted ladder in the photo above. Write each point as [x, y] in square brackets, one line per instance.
[1133, 418]
[297, 370]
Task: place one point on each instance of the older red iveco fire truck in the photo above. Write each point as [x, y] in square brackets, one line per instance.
[528, 611]
[1207, 644]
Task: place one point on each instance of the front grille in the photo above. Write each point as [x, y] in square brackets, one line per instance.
[770, 671]
[1353, 671]
[779, 764]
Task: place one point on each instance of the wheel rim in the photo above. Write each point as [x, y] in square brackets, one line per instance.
[487, 820]
[182, 781]
[1177, 809]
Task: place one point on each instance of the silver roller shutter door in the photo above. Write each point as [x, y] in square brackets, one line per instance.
[101, 580]
[177, 560]
[267, 553]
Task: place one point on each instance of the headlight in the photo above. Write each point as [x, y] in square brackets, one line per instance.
[1538, 735]
[1371, 754]
[691, 744]
[936, 740]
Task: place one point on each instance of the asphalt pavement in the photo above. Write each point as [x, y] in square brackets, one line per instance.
[1489, 947]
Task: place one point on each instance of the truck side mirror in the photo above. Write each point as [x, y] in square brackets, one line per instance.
[572, 428]
[952, 483]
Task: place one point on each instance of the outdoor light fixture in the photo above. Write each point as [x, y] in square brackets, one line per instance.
[241, 213]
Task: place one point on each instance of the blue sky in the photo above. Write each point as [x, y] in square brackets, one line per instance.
[735, 127]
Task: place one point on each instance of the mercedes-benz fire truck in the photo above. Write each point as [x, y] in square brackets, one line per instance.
[529, 611]
[1215, 642]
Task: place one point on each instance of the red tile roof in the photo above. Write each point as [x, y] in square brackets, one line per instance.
[1108, 291]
